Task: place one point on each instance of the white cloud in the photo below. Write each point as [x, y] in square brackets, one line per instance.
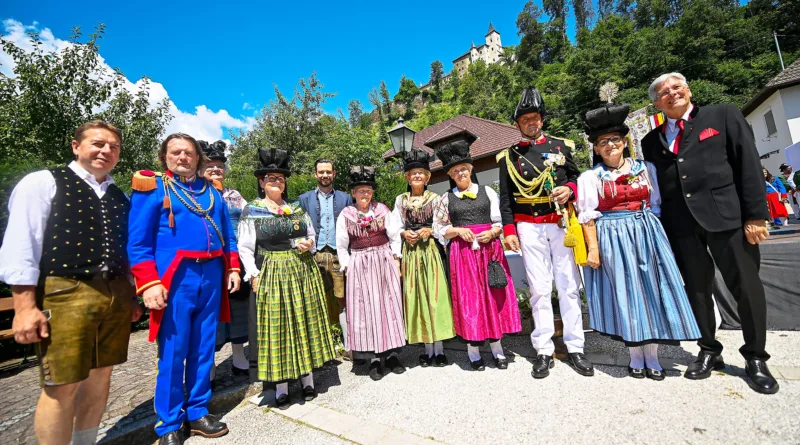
[247, 106]
[202, 123]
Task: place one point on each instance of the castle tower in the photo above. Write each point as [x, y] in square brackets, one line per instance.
[493, 37]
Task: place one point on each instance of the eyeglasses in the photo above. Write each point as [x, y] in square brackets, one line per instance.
[675, 88]
[605, 141]
[364, 192]
[213, 168]
[273, 179]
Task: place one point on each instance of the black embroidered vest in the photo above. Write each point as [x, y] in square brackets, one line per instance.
[468, 212]
[84, 234]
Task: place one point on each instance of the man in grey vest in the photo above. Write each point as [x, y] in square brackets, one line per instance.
[324, 204]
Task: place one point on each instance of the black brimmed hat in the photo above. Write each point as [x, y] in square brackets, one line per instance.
[530, 102]
[215, 151]
[416, 159]
[609, 118]
[361, 175]
[455, 151]
[273, 160]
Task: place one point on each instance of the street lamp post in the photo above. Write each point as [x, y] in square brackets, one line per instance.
[402, 138]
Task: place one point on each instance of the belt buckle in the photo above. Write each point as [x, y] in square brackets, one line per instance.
[201, 260]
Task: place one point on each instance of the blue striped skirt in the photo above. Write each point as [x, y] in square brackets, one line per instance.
[637, 294]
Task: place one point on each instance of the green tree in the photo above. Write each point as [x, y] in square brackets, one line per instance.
[386, 100]
[531, 34]
[355, 113]
[435, 80]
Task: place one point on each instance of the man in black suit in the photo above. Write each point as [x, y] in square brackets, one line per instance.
[713, 199]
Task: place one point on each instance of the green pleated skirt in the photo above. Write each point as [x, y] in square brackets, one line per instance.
[426, 294]
[294, 335]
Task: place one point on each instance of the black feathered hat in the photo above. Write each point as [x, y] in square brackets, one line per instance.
[273, 160]
[454, 151]
[203, 146]
[609, 118]
[361, 175]
[416, 159]
[530, 102]
[215, 151]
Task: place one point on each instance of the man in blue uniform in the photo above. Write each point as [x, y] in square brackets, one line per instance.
[184, 259]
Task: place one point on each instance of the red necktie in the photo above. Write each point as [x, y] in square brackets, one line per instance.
[679, 123]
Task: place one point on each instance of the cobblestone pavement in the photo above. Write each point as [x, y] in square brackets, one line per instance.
[130, 405]
[130, 400]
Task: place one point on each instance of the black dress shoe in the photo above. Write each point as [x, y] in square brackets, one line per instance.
[654, 374]
[580, 364]
[761, 380]
[282, 402]
[376, 370]
[440, 361]
[394, 365]
[239, 371]
[309, 393]
[637, 373]
[425, 361]
[542, 366]
[501, 363]
[207, 426]
[702, 366]
[171, 438]
[478, 366]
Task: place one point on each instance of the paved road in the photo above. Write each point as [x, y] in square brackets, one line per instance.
[456, 406]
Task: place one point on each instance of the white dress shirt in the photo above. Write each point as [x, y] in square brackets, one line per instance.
[672, 128]
[29, 209]
[590, 184]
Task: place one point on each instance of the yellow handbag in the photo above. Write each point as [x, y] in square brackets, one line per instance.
[574, 236]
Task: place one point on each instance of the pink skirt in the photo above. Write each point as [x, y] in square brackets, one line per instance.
[374, 301]
[479, 311]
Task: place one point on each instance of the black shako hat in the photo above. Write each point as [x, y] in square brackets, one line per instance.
[215, 151]
[416, 159]
[609, 118]
[530, 102]
[455, 151]
[272, 160]
[362, 175]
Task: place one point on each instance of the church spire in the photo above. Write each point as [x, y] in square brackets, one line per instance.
[491, 29]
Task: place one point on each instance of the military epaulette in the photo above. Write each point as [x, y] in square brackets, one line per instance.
[568, 142]
[144, 180]
[501, 155]
[217, 185]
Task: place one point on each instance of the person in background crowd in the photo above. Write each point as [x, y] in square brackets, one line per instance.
[712, 199]
[428, 309]
[184, 259]
[368, 245]
[537, 177]
[790, 184]
[776, 197]
[619, 204]
[323, 205]
[63, 255]
[235, 332]
[276, 240]
[467, 217]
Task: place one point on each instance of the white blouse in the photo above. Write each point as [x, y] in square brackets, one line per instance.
[397, 218]
[590, 186]
[343, 238]
[441, 217]
[246, 242]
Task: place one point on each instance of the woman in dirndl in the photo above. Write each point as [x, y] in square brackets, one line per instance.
[633, 285]
[467, 217]
[368, 247]
[235, 332]
[276, 240]
[428, 309]
[776, 196]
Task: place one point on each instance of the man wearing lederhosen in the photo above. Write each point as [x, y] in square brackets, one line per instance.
[538, 176]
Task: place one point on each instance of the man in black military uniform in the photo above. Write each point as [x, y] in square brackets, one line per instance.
[538, 177]
[712, 191]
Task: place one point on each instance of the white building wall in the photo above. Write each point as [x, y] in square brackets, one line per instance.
[791, 106]
[780, 140]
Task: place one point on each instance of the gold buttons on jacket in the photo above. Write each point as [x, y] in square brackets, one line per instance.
[680, 159]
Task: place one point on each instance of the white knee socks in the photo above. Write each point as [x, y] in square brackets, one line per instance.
[438, 348]
[651, 357]
[307, 380]
[281, 389]
[474, 353]
[637, 357]
[85, 437]
[497, 349]
[239, 359]
[343, 324]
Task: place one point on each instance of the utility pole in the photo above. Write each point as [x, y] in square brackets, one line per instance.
[778, 47]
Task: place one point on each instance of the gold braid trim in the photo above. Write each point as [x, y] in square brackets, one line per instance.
[195, 207]
[529, 189]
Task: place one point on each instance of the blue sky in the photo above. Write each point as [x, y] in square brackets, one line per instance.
[226, 55]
